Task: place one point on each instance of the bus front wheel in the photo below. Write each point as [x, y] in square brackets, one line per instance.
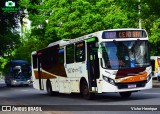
[85, 91]
[125, 94]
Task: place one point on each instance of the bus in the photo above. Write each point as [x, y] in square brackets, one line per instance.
[17, 72]
[155, 63]
[114, 60]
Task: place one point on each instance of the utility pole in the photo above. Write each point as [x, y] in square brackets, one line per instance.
[139, 12]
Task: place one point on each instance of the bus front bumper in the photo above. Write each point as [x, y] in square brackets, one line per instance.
[103, 87]
[17, 82]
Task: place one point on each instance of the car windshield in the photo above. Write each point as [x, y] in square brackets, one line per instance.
[125, 54]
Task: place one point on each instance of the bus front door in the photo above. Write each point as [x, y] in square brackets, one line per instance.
[92, 64]
[41, 87]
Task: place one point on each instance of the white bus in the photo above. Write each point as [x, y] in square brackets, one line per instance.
[115, 60]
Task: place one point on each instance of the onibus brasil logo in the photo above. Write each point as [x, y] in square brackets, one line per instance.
[10, 6]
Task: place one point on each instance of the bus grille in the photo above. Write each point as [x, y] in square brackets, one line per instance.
[126, 85]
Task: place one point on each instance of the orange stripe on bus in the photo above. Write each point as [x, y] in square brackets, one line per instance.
[137, 78]
[44, 75]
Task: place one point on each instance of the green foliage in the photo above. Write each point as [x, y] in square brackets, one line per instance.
[9, 42]
[3, 62]
[73, 18]
[151, 22]
[8, 34]
[30, 43]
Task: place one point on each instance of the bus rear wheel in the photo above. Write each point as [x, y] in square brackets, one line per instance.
[49, 88]
[85, 91]
[125, 94]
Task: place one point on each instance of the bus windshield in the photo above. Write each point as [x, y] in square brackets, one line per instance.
[125, 54]
[21, 71]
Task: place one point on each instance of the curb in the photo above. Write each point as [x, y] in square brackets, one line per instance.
[156, 85]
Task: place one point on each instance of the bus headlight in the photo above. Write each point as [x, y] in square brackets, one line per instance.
[109, 80]
[14, 81]
[149, 77]
[28, 81]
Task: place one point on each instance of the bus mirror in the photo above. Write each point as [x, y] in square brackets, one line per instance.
[99, 55]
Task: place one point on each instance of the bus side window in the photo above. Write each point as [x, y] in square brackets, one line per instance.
[61, 56]
[70, 54]
[45, 60]
[80, 52]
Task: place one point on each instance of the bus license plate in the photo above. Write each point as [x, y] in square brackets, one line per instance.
[21, 82]
[131, 85]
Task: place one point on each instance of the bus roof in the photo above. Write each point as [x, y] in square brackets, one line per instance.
[58, 42]
[98, 33]
[95, 34]
[15, 62]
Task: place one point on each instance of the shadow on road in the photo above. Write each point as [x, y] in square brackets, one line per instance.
[106, 97]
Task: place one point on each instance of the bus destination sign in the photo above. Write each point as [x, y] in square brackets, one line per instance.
[124, 34]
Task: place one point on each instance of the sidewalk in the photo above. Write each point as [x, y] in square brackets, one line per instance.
[156, 84]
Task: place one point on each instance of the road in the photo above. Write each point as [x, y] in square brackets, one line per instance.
[22, 96]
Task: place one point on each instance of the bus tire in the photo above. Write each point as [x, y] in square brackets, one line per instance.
[85, 91]
[125, 94]
[49, 88]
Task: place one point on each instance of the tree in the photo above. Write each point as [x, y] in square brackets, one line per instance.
[9, 36]
[151, 21]
[73, 18]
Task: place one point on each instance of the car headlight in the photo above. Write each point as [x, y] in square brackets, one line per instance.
[109, 80]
